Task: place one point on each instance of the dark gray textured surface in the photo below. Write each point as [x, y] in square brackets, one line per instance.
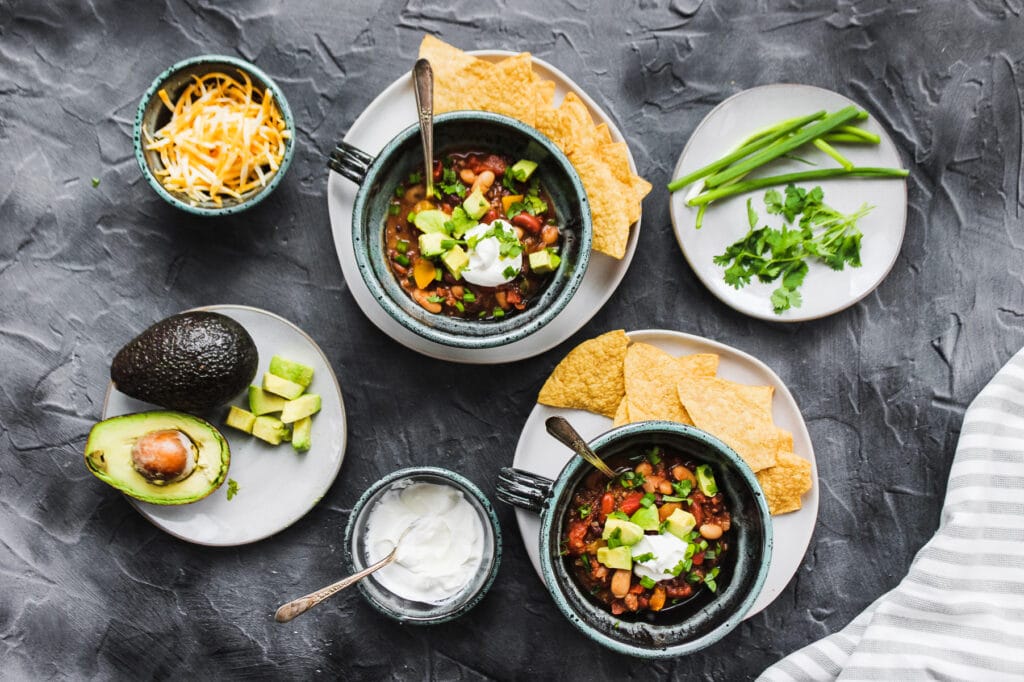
[88, 589]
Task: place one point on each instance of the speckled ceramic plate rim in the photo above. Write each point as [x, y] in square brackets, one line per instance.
[252, 200]
[328, 481]
[604, 274]
[786, 560]
[682, 219]
[465, 484]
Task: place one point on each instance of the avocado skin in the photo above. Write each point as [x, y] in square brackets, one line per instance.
[192, 362]
[108, 455]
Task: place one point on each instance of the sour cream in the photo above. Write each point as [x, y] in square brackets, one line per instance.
[668, 551]
[486, 265]
[442, 552]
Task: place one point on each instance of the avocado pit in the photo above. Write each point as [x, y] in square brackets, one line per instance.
[164, 456]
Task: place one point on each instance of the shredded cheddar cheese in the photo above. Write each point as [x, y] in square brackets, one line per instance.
[224, 139]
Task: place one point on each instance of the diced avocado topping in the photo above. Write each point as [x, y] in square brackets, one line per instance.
[431, 220]
[456, 260]
[261, 402]
[431, 244]
[680, 523]
[289, 390]
[646, 518]
[240, 419]
[629, 533]
[544, 261]
[522, 169]
[706, 480]
[301, 431]
[476, 205]
[303, 406]
[618, 557]
[269, 429]
[292, 371]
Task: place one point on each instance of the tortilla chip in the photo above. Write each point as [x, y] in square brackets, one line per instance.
[785, 483]
[699, 364]
[717, 407]
[785, 441]
[651, 376]
[511, 87]
[622, 414]
[590, 377]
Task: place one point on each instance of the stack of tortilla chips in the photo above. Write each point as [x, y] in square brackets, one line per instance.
[511, 87]
[631, 382]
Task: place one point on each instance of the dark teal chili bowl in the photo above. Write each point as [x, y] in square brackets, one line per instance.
[456, 131]
[152, 115]
[674, 631]
[405, 610]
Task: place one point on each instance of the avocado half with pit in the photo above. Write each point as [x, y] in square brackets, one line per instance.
[159, 457]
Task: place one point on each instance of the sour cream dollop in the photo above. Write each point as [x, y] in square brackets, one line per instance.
[668, 551]
[442, 552]
[487, 266]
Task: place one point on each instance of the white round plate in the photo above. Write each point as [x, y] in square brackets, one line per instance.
[539, 453]
[276, 485]
[391, 112]
[824, 291]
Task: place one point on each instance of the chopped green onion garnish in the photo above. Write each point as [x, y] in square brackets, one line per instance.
[402, 259]
[654, 455]
[469, 296]
[647, 500]
[647, 583]
[498, 312]
[393, 209]
[435, 298]
[584, 511]
[399, 191]
[402, 246]
[648, 556]
[461, 308]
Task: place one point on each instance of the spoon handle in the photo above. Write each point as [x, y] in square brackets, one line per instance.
[423, 81]
[567, 435]
[303, 604]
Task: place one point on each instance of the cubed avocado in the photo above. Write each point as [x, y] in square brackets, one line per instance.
[645, 517]
[301, 431]
[456, 260]
[303, 406]
[292, 371]
[240, 419]
[289, 390]
[629, 532]
[269, 429]
[261, 402]
[431, 220]
[680, 523]
[430, 243]
[545, 261]
[522, 169]
[476, 205]
[618, 557]
[706, 480]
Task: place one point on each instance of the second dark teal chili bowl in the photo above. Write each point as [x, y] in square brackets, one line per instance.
[672, 632]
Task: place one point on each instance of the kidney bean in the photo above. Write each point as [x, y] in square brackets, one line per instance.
[527, 222]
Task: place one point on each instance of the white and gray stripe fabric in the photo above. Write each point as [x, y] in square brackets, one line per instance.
[959, 613]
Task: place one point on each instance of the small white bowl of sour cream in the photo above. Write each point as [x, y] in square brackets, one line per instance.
[445, 564]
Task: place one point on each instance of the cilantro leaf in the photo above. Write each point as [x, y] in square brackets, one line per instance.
[783, 299]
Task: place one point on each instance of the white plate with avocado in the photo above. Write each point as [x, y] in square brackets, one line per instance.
[271, 486]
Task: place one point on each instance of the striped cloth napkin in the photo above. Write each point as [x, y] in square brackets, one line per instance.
[959, 613]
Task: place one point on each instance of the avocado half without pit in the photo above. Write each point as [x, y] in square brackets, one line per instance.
[193, 362]
[160, 457]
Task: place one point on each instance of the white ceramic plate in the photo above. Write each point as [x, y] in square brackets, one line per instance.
[386, 116]
[539, 453]
[276, 485]
[824, 291]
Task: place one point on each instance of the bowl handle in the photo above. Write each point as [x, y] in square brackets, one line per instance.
[350, 162]
[524, 490]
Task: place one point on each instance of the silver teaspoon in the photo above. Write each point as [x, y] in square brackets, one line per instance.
[423, 82]
[567, 435]
[299, 606]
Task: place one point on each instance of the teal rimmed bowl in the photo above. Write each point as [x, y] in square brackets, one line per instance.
[153, 115]
[459, 131]
[674, 632]
[405, 610]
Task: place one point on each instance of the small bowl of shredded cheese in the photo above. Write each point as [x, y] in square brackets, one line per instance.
[214, 135]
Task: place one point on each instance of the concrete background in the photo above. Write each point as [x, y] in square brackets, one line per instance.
[88, 589]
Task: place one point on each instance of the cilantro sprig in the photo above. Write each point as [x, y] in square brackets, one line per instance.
[822, 233]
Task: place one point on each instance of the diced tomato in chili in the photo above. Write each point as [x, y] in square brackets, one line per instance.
[576, 535]
[631, 503]
[698, 559]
